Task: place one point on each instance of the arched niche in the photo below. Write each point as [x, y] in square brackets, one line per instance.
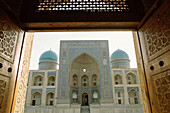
[82, 65]
[133, 96]
[36, 99]
[50, 99]
[51, 81]
[84, 81]
[75, 97]
[38, 80]
[95, 96]
[82, 71]
[118, 79]
[131, 78]
[120, 97]
[75, 80]
[94, 80]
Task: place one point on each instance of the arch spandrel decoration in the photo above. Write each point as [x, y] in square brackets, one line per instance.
[131, 71]
[52, 73]
[52, 90]
[36, 90]
[133, 88]
[117, 72]
[38, 73]
[121, 89]
[93, 52]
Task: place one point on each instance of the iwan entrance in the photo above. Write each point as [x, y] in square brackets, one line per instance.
[85, 99]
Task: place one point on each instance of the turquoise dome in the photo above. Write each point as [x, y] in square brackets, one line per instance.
[119, 54]
[48, 55]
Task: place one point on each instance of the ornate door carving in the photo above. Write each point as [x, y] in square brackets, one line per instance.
[155, 46]
[10, 47]
[13, 61]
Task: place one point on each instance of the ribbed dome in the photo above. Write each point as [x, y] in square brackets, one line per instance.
[48, 55]
[119, 54]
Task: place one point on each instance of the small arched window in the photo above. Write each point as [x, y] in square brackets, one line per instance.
[75, 80]
[120, 97]
[95, 95]
[118, 79]
[36, 99]
[133, 97]
[94, 80]
[51, 81]
[38, 80]
[131, 78]
[50, 99]
[84, 80]
[119, 94]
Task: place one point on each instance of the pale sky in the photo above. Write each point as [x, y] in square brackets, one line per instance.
[44, 41]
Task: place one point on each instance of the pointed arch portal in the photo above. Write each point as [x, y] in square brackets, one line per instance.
[84, 67]
[85, 99]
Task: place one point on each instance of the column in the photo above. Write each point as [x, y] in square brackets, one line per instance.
[43, 95]
[126, 100]
[55, 97]
[28, 95]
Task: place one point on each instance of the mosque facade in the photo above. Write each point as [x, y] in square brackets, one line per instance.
[88, 81]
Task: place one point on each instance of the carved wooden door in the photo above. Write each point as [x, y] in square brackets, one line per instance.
[15, 51]
[154, 38]
[10, 48]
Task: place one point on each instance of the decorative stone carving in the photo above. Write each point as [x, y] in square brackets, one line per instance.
[157, 31]
[52, 73]
[119, 89]
[9, 36]
[155, 39]
[8, 39]
[135, 88]
[50, 90]
[2, 93]
[23, 79]
[38, 73]
[162, 85]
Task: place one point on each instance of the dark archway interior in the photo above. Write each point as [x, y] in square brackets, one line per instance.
[85, 99]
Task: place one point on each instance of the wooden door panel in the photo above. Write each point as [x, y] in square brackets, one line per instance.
[10, 47]
[155, 43]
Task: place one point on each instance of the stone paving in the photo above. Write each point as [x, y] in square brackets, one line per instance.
[85, 109]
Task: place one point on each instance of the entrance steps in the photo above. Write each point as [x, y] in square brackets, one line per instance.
[85, 109]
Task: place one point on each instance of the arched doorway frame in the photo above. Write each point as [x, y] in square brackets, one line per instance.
[85, 99]
[81, 76]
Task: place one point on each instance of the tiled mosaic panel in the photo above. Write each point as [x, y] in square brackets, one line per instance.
[83, 5]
